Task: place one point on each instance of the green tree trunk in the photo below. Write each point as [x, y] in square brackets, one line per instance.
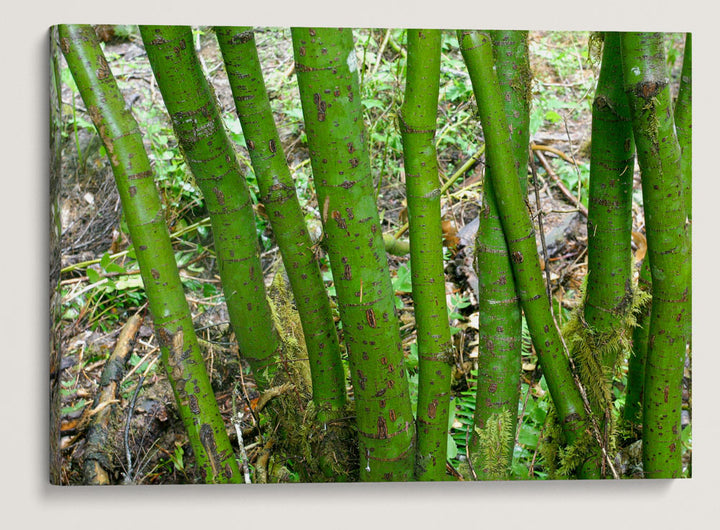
[683, 124]
[500, 328]
[601, 330]
[181, 356]
[326, 68]
[609, 285]
[512, 64]
[277, 193]
[209, 153]
[683, 127]
[648, 91]
[417, 125]
[519, 233]
[632, 412]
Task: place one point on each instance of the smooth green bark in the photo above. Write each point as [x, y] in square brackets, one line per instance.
[519, 233]
[602, 329]
[512, 65]
[209, 153]
[683, 128]
[326, 68]
[683, 124]
[181, 356]
[632, 412]
[417, 125]
[648, 91]
[500, 325]
[609, 285]
[278, 195]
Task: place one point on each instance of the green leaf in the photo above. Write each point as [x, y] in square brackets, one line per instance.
[530, 404]
[372, 103]
[536, 121]
[451, 414]
[519, 471]
[402, 282]
[529, 436]
[552, 116]
[452, 449]
[93, 275]
[413, 382]
[114, 267]
[181, 258]
[686, 435]
[190, 284]
[538, 415]
[79, 405]
[105, 261]
[411, 362]
[129, 282]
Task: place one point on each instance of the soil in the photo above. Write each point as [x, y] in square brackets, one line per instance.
[91, 218]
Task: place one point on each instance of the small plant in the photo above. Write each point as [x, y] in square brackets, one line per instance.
[456, 304]
[533, 410]
[577, 179]
[462, 413]
[177, 458]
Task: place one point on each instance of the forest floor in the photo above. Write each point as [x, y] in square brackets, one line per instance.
[151, 441]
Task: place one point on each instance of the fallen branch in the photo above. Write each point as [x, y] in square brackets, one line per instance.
[261, 463]
[558, 181]
[553, 150]
[271, 393]
[97, 459]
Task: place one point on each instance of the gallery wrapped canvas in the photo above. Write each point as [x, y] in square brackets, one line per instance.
[338, 255]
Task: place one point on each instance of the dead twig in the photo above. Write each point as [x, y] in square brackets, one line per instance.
[237, 423]
[559, 183]
[126, 434]
[380, 53]
[553, 150]
[538, 206]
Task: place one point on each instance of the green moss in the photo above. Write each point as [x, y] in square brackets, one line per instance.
[595, 356]
[596, 353]
[595, 46]
[319, 449]
[495, 444]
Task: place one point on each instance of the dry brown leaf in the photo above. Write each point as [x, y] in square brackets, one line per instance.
[450, 239]
[641, 244]
[474, 321]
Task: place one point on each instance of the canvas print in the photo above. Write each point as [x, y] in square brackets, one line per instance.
[342, 255]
